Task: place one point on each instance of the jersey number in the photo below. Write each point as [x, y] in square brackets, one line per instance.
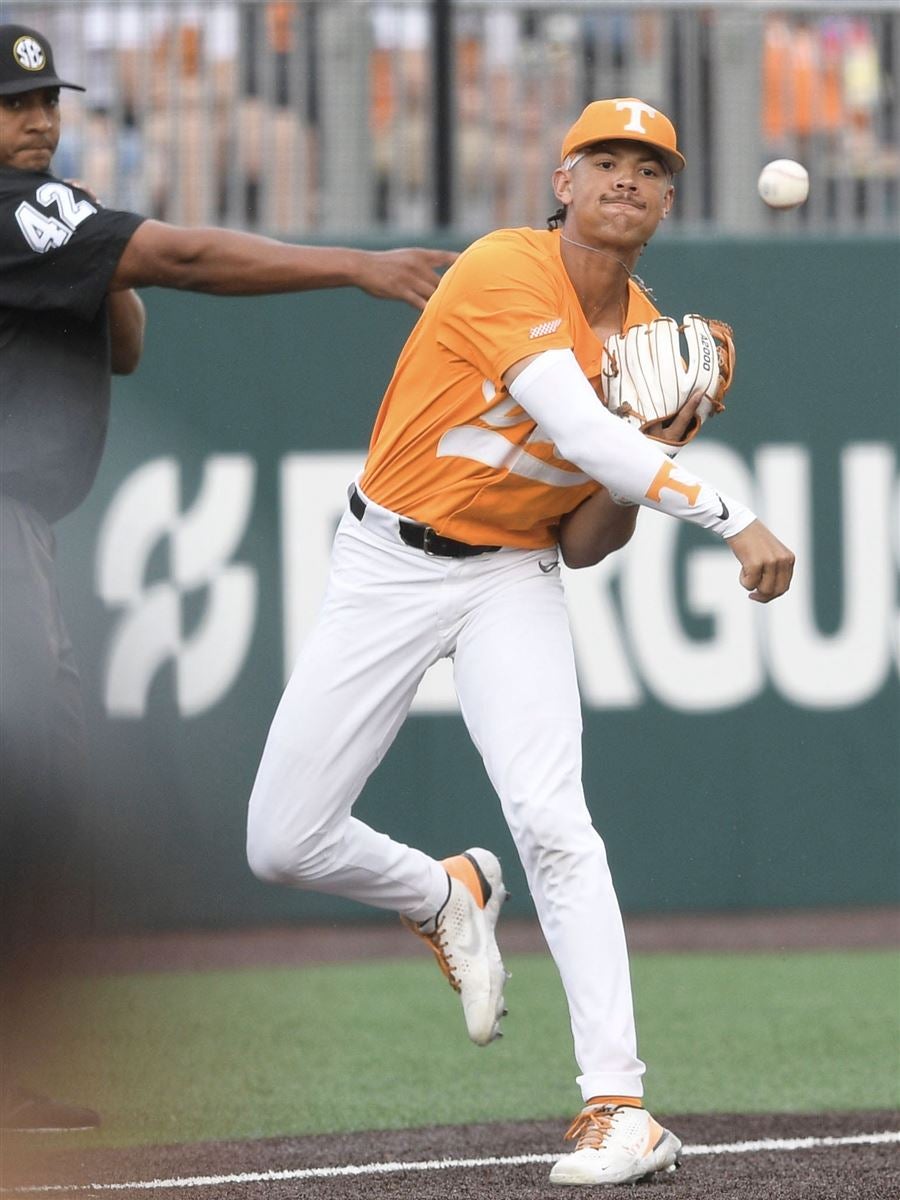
[43, 232]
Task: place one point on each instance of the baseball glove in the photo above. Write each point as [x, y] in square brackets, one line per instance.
[645, 379]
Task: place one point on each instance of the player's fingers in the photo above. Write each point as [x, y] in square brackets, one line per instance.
[79, 183]
[749, 577]
[403, 285]
[770, 579]
[419, 288]
[778, 578]
[681, 422]
[418, 298]
[428, 274]
[422, 259]
[410, 274]
[442, 258]
[767, 565]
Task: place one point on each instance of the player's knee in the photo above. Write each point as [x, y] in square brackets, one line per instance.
[560, 849]
[275, 857]
[265, 859]
[567, 860]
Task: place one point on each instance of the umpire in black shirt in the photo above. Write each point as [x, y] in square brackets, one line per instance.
[69, 318]
[60, 338]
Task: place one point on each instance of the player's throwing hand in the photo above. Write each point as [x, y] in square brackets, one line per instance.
[766, 563]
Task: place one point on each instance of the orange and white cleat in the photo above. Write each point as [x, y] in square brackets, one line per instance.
[615, 1143]
[461, 936]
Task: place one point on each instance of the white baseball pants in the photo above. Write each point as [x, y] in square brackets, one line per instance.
[389, 612]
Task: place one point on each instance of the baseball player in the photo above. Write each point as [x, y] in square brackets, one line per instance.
[69, 317]
[491, 454]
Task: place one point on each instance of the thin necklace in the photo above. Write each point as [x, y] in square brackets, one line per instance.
[606, 254]
[596, 250]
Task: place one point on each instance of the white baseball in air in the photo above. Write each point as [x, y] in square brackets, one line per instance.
[783, 183]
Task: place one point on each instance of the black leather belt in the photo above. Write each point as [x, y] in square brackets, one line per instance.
[423, 537]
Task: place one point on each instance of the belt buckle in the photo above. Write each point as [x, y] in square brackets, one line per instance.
[427, 534]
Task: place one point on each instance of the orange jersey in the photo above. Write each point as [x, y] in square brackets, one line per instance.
[451, 448]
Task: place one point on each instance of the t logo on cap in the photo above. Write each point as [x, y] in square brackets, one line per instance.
[624, 117]
[29, 54]
[637, 109]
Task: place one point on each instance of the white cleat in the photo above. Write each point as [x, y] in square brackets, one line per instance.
[461, 936]
[615, 1144]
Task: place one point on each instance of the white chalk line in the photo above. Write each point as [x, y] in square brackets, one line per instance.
[441, 1164]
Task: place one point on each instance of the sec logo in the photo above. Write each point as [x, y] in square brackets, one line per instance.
[29, 54]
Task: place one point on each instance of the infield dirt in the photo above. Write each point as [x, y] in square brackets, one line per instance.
[213, 1170]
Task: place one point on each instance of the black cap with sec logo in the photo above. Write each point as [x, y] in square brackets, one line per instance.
[26, 62]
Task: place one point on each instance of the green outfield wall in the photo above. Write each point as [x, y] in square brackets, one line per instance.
[735, 757]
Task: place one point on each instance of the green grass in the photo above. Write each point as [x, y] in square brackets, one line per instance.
[258, 1053]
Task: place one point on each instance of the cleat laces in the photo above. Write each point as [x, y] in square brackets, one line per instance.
[435, 940]
[591, 1127]
[438, 947]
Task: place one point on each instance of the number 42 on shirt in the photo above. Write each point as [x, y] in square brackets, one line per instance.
[42, 230]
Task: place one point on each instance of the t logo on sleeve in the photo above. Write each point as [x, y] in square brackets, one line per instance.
[29, 54]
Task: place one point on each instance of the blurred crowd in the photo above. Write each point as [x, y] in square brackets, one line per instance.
[172, 122]
[237, 111]
[824, 81]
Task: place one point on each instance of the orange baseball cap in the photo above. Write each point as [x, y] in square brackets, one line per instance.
[629, 118]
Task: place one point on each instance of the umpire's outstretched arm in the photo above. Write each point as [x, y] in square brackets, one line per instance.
[224, 262]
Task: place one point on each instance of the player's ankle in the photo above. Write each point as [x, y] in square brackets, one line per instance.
[617, 1101]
